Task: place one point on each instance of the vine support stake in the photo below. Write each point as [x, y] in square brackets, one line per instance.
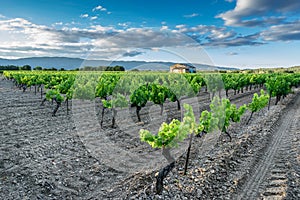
[188, 153]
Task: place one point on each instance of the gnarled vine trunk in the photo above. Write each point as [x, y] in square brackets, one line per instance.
[165, 170]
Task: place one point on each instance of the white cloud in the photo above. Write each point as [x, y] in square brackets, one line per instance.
[232, 53]
[206, 30]
[2, 16]
[164, 28]
[22, 38]
[100, 8]
[284, 32]
[191, 15]
[93, 18]
[13, 24]
[182, 28]
[209, 35]
[97, 8]
[57, 24]
[124, 25]
[132, 53]
[221, 34]
[246, 9]
[84, 16]
[100, 29]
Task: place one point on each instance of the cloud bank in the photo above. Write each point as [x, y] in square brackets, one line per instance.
[249, 12]
[22, 38]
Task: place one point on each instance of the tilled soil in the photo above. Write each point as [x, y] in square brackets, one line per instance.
[262, 162]
[41, 157]
[45, 157]
[276, 175]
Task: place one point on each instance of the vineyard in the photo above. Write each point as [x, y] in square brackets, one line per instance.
[136, 89]
[145, 134]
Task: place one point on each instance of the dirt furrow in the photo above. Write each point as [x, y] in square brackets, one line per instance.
[274, 159]
[44, 157]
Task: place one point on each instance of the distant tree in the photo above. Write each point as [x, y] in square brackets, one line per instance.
[288, 71]
[26, 67]
[119, 68]
[50, 69]
[62, 69]
[103, 68]
[109, 68]
[38, 68]
[9, 67]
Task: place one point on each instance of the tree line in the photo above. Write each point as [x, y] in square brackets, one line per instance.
[13, 67]
[86, 68]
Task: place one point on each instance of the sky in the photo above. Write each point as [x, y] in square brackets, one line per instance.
[233, 33]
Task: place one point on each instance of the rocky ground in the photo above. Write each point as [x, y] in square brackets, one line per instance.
[262, 162]
[72, 157]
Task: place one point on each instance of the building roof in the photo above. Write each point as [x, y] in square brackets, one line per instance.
[182, 66]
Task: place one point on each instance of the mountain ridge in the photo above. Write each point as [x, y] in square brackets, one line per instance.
[73, 63]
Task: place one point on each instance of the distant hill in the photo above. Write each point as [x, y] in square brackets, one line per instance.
[73, 63]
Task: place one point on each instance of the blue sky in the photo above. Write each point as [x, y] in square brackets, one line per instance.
[236, 33]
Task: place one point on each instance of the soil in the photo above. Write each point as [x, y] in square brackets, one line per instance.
[72, 157]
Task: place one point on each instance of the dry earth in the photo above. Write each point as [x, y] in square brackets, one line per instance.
[66, 157]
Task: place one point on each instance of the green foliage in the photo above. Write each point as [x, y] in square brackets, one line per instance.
[278, 85]
[196, 81]
[188, 125]
[169, 135]
[54, 94]
[140, 96]
[85, 86]
[106, 104]
[157, 93]
[226, 112]
[178, 86]
[258, 102]
[70, 93]
[38, 68]
[9, 67]
[26, 67]
[214, 82]
[118, 100]
[103, 68]
[217, 109]
[165, 137]
[65, 86]
[207, 122]
[138, 88]
[236, 113]
[106, 84]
